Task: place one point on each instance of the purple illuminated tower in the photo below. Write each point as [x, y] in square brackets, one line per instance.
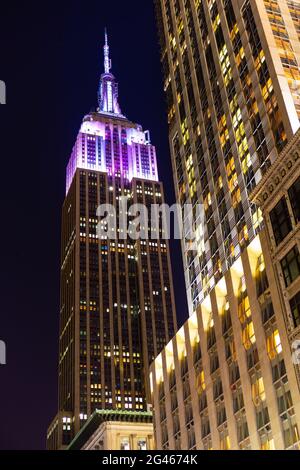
[117, 301]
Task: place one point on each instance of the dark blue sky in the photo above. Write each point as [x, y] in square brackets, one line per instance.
[51, 60]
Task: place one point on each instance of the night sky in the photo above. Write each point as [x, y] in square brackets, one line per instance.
[51, 59]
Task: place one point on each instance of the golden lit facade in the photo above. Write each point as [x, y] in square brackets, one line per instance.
[278, 195]
[227, 380]
[231, 77]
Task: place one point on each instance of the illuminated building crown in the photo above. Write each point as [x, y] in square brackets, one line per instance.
[108, 142]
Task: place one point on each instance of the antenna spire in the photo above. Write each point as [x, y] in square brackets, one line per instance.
[107, 61]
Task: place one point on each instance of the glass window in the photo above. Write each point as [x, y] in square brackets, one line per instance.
[274, 345]
[295, 308]
[291, 266]
[294, 195]
[268, 444]
[281, 221]
[262, 282]
[249, 336]
[142, 444]
[258, 391]
[125, 444]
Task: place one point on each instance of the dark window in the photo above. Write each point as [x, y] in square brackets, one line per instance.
[267, 312]
[291, 266]
[281, 221]
[295, 308]
[294, 194]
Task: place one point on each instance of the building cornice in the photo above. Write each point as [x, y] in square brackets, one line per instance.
[281, 172]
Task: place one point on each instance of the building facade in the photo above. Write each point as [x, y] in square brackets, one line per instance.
[228, 381]
[117, 301]
[231, 70]
[116, 430]
[278, 195]
[231, 77]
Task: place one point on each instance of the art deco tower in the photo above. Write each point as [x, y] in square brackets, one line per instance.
[232, 77]
[117, 302]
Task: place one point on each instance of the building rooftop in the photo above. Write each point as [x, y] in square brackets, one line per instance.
[102, 416]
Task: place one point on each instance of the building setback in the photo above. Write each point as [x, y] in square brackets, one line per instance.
[117, 301]
[116, 430]
[231, 76]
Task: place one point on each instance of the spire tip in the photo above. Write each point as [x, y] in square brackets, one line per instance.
[107, 61]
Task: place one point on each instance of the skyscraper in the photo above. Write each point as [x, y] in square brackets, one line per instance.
[117, 301]
[231, 77]
[231, 74]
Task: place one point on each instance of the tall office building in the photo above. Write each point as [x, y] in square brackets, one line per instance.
[117, 302]
[228, 379]
[231, 73]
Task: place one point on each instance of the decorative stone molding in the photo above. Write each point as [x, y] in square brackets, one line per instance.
[278, 175]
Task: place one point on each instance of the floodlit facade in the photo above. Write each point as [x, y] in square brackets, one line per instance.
[231, 77]
[278, 195]
[117, 301]
[228, 379]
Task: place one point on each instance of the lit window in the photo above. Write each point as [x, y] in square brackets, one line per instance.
[274, 346]
[249, 336]
[142, 444]
[125, 444]
[258, 392]
[268, 445]
[201, 382]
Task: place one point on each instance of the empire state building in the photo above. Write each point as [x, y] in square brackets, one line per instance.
[117, 307]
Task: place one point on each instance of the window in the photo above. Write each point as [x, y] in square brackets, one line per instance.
[197, 352]
[291, 266]
[242, 429]
[280, 221]
[294, 195]
[238, 400]
[258, 391]
[262, 282]
[218, 388]
[201, 382]
[184, 365]
[225, 443]
[274, 345]
[279, 371]
[249, 336]
[221, 414]
[211, 337]
[226, 319]
[268, 444]
[142, 444]
[267, 312]
[291, 436]
[205, 426]
[244, 310]
[125, 444]
[295, 309]
[262, 418]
